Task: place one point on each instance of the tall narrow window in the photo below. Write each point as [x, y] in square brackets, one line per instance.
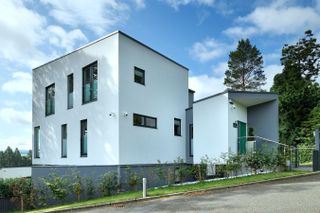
[177, 127]
[64, 141]
[36, 144]
[70, 91]
[191, 140]
[139, 76]
[50, 93]
[90, 83]
[84, 139]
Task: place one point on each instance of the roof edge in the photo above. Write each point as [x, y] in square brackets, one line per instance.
[234, 91]
[107, 36]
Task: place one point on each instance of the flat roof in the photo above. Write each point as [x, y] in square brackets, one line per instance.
[234, 92]
[107, 36]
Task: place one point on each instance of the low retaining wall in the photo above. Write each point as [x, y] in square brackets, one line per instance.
[7, 205]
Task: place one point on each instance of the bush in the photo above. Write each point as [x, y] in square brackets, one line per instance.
[108, 183]
[254, 161]
[133, 179]
[90, 189]
[57, 185]
[76, 184]
[5, 191]
[200, 170]
[182, 170]
[23, 193]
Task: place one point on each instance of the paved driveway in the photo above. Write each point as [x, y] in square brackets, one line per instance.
[299, 195]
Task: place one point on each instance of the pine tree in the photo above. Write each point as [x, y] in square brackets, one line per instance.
[245, 70]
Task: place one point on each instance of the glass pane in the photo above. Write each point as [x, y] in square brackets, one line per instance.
[139, 76]
[151, 122]
[84, 138]
[37, 142]
[50, 93]
[86, 95]
[177, 127]
[95, 90]
[138, 120]
[70, 83]
[70, 100]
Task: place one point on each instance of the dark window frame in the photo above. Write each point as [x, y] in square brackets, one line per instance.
[81, 138]
[70, 76]
[174, 127]
[36, 142]
[144, 121]
[62, 137]
[92, 98]
[144, 75]
[46, 99]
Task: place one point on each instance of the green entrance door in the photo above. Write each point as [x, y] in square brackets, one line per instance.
[242, 137]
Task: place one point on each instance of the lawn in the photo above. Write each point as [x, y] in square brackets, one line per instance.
[173, 189]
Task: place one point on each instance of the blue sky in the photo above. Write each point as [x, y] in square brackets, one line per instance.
[196, 33]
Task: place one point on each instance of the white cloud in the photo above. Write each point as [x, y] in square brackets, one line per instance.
[98, 16]
[60, 38]
[270, 71]
[177, 3]
[208, 49]
[278, 19]
[140, 4]
[220, 69]
[24, 32]
[205, 85]
[12, 116]
[22, 143]
[240, 32]
[20, 82]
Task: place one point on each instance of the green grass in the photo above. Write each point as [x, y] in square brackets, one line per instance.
[173, 189]
[306, 164]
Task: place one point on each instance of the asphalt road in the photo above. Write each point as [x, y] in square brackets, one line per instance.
[299, 195]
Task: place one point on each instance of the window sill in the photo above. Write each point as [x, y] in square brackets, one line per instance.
[83, 156]
[146, 126]
[178, 135]
[88, 102]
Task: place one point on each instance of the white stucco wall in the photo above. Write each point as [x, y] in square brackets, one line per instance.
[210, 124]
[103, 130]
[164, 96]
[236, 113]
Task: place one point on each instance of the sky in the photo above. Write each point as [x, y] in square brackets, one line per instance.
[198, 34]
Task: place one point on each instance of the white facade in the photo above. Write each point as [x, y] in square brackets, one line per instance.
[216, 121]
[112, 137]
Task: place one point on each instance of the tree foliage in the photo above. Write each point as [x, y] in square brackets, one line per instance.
[245, 70]
[10, 158]
[298, 92]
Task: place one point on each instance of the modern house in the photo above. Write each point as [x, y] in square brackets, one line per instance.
[116, 102]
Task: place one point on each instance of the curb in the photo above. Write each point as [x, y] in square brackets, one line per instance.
[185, 193]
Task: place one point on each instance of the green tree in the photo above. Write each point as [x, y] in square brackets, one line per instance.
[296, 86]
[245, 70]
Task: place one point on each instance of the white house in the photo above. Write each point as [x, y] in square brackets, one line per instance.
[112, 102]
[117, 102]
[222, 121]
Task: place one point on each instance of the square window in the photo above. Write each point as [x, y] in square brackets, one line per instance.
[139, 76]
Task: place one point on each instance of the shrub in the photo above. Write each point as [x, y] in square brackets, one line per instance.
[108, 183]
[200, 170]
[159, 170]
[57, 186]
[23, 193]
[254, 161]
[76, 184]
[182, 170]
[5, 191]
[90, 189]
[133, 179]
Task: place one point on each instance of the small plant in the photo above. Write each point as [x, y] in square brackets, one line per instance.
[182, 170]
[159, 170]
[108, 183]
[57, 186]
[200, 170]
[90, 189]
[133, 179]
[76, 184]
[254, 161]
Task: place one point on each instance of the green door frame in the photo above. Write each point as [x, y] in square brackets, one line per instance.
[242, 137]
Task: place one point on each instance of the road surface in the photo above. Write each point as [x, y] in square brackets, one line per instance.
[299, 195]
